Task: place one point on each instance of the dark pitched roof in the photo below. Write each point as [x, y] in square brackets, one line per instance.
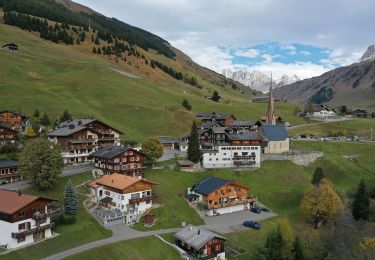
[273, 132]
[218, 130]
[196, 237]
[244, 136]
[111, 152]
[168, 139]
[209, 185]
[247, 123]
[8, 163]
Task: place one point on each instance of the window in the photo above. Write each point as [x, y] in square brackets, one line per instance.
[21, 213]
[101, 193]
[21, 239]
[21, 226]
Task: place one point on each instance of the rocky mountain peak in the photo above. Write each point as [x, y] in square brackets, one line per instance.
[369, 54]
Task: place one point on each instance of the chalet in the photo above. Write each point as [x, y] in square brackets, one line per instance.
[220, 196]
[275, 137]
[359, 113]
[218, 135]
[80, 137]
[24, 219]
[14, 120]
[169, 142]
[200, 243]
[239, 150]
[186, 165]
[239, 127]
[122, 197]
[7, 134]
[120, 159]
[9, 172]
[10, 47]
[213, 117]
[320, 111]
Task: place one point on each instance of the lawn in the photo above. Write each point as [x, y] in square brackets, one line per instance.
[358, 127]
[85, 230]
[141, 248]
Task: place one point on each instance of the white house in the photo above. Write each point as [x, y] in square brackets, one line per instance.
[122, 193]
[24, 219]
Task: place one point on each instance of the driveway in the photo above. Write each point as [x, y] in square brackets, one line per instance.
[232, 222]
[171, 154]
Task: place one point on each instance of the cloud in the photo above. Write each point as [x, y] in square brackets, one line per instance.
[249, 53]
[290, 48]
[341, 57]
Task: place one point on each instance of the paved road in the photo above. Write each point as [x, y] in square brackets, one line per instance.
[67, 171]
[226, 223]
[321, 122]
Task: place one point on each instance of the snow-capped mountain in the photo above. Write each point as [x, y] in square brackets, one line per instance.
[369, 54]
[258, 80]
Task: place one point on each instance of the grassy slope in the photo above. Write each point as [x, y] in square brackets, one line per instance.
[55, 77]
[85, 230]
[137, 249]
[359, 127]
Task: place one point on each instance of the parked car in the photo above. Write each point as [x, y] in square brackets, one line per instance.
[252, 224]
[256, 210]
[265, 209]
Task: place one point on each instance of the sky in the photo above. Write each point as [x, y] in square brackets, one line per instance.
[301, 37]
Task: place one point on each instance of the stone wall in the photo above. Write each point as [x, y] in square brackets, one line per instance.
[299, 157]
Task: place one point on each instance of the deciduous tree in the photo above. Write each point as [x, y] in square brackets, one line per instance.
[152, 149]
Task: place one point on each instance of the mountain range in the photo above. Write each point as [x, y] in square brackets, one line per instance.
[352, 85]
[258, 80]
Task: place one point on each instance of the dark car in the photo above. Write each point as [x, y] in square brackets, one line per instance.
[252, 224]
[265, 209]
[256, 210]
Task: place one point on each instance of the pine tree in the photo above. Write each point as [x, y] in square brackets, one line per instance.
[274, 245]
[298, 249]
[70, 199]
[318, 176]
[36, 113]
[92, 37]
[361, 203]
[215, 96]
[94, 50]
[194, 154]
[97, 40]
[66, 116]
[45, 120]
[185, 104]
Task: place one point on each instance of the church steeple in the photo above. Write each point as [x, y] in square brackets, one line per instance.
[270, 118]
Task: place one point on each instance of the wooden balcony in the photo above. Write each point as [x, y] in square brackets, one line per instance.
[17, 235]
[50, 213]
[244, 160]
[144, 198]
[229, 204]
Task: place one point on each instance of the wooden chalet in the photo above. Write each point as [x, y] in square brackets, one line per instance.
[249, 138]
[212, 117]
[9, 172]
[14, 120]
[120, 159]
[7, 134]
[359, 113]
[220, 196]
[200, 243]
[25, 219]
[80, 137]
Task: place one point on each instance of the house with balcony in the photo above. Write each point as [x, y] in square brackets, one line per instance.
[25, 219]
[14, 120]
[220, 196]
[9, 172]
[119, 159]
[81, 137]
[238, 151]
[7, 134]
[121, 198]
[223, 120]
[201, 243]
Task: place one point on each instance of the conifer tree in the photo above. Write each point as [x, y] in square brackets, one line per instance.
[36, 113]
[215, 96]
[45, 120]
[97, 40]
[318, 176]
[92, 37]
[361, 203]
[298, 249]
[194, 153]
[70, 199]
[94, 50]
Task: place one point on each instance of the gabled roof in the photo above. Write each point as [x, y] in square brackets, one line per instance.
[208, 185]
[244, 136]
[11, 201]
[242, 123]
[70, 127]
[195, 237]
[14, 113]
[273, 132]
[110, 152]
[168, 139]
[8, 163]
[359, 110]
[117, 181]
[218, 130]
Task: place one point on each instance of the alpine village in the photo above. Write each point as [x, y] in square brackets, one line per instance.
[116, 145]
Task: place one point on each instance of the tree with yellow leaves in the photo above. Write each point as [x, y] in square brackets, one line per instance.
[321, 203]
[30, 132]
